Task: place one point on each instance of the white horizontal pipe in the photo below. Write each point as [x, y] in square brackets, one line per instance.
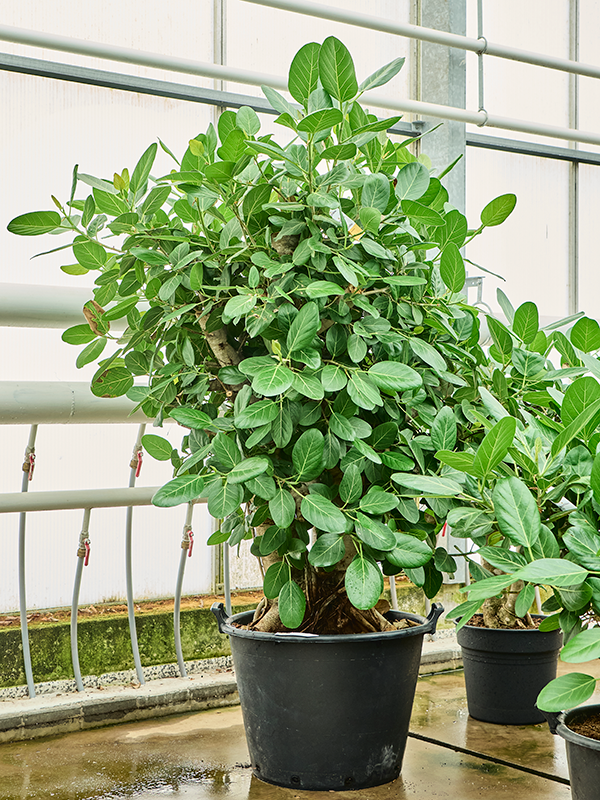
[127, 55]
[32, 306]
[49, 402]
[12, 502]
[480, 118]
[431, 35]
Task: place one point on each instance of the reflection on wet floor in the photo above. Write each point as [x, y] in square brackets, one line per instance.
[203, 755]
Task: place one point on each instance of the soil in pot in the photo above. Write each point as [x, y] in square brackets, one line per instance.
[590, 726]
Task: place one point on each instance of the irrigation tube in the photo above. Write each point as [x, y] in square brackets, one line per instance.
[82, 552]
[479, 46]
[186, 545]
[134, 472]
[224, 73]
[27, 475]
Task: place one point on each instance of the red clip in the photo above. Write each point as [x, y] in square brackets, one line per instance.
[86, 544]
[191, 538]
[443, 532]
[31, 466]
[139, 464]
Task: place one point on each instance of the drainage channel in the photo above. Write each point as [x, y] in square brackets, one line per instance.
[501, 761]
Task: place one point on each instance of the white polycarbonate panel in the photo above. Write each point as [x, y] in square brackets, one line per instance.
[589, 89]
[512, 89]
[530, 249]
[589, 261]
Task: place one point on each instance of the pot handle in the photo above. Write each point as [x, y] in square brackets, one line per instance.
[437, 609]
[553, 719]
[218, 609]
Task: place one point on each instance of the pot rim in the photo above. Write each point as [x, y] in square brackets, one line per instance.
[571, 736]
[509, 630]
[426, 625]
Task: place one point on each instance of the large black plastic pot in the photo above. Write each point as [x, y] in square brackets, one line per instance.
[326, 712]
[505, 670]
[583, 753]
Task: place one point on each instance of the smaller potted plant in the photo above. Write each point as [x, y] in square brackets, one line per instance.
[525, 503]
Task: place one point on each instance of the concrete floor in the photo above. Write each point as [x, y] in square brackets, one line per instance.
[202, 756]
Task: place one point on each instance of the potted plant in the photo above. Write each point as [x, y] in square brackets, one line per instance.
[307, 327]
[527, 502]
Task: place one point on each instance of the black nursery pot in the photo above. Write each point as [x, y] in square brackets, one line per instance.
[583, 753]
[505, 670]
[326, 712]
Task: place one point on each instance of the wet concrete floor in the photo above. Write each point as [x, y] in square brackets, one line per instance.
[203, 756]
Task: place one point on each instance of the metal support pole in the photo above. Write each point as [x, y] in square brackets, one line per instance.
[134, 472]
[480, 55]
[82, 555]
[574, 172]
[186, 550]
[393, 593]
[226, 578]
[28, 465]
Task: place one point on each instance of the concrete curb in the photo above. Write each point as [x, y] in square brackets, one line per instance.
[57, 713]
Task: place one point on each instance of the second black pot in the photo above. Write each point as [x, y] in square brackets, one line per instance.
[583, 753]
[505, 670]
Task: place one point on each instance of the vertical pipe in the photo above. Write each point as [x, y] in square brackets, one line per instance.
[128, 565]
[480, 55]
[226, 578]
[185, 551]
[538, 600]
[573, 262]
[81, 555]
[27, 475]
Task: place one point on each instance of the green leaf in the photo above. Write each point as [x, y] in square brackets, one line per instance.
[409, 552]
[526, 322]
[254, 201]
[444, 429]
[554, 572]
[109, 203]
[370, 219]
[595, 478]
[292, 605]
[516, 511]
[452, 268]
[273, 380]
[282, 507]
[498, 210]
[262, 486]
[191, 418]
[273, 538]
[463, 462]
[224, 499]
[363, 391]
[282, 427]
[327, 550]
[357, 348]
[500, 335]
[304, 72]
[256, 414]
[339, 152]
[583, 647]
[35, 223]
[584, 543]
[113, 382]
[157, 447]
[247, 119]
[585, 335]
[248, 468]
[307, 455]
[507, 560]
[226, 451]
[308, 385]
[275, 577]
[304, 328]
[494, 447]
[179, 490]
[392, 376]
[97, 183]
[525, 600]
[464, 612]
[90, 353]
[428, 354]
[412, 181]
[142, 169]
[78, 334]
[364, 582]
[375, 193]
[566, 691]
[572, 430]
[427, 485]
[488, 587]
[374, 533]
[351, 485]
[382, 75]
[320, 120]
[333, 378]
[418, 212]
[240, 305]
[336, 70]
[323, 289]
[323, 514]
[579, 396]
[90, 255]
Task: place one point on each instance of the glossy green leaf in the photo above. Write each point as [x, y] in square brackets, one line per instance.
[256, 414]
[328, 550]
[226, 451]
[409, 552]
[248, 468]
[392, 376]
[304, 327]
[90, 255]
[333, 378]
[526, 322]
[282, 507]
[263, 486]
[308, 385]
[427, 485]
[304, 72]
[292, 605]
[494, 446]
[142, 169]
[412, 181]
[583, 647]
[191, 418]
[363, 391]
[382, 75]
[35, 223]
[488, 587]
[525, 600]
[323, 514]
[364, 582]
[463, 462]
[566, 691]
[275, 577]
[307, 455]
[508, 561]
[553, 572]
[320, 120]
[223, 499]
[272, 380]
[375, 193]
[585, 335]
[428, 354]
[323, 289]
[157, 447]
[90, 353]
[516, 511]
[336, 70]
[113, 382]
[572, 430]
[501, 336]
[444, 429]
[374, 533]
[78, 334]
[351, 485]
[498, 210]
[179, 490]
[452, 267]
